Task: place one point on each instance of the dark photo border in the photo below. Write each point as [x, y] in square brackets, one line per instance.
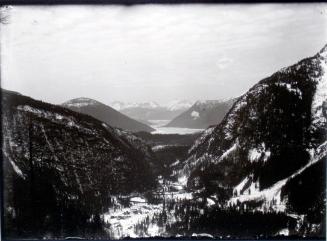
[128, 3]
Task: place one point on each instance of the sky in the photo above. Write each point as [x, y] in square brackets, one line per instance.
[153, 52]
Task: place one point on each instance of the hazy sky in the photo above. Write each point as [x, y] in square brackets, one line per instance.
[153, 52]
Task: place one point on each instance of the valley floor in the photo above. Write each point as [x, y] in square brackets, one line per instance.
[126, 221]
[172, 211]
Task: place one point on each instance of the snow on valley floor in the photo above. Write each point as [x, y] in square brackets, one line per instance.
[158, 125]
[122, 221]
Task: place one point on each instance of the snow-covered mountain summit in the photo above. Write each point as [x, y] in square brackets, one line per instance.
[179, 105]
[80, 102]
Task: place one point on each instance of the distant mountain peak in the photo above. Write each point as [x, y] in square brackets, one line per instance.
[80, 102]
[216, 101]
[210, 103]
[120, 105]
[171, 106]
[206, 102]
[202, 114]
[179, 104]
[105, 113]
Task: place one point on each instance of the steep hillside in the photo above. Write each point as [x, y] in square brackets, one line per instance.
[62, 168]
[106, 114]
[202, 114]
[271, 138]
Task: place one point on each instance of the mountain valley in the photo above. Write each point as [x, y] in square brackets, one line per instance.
[257, 170]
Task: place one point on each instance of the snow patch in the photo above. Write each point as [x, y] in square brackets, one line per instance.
[291, 89]
[202, 235]
[210, 202]
[123, 220]
[195, 115]
[29, 109]
[272, 195]
[175, 163]
[237, 190]
[229, 151]
[80, 102]
[320, 98]
[16, 169]
[138, 200]
[160, 147]
[254, 155]
[284, 232]
[260, 153]
[53, 117]
[13, 164]
[182, 180]
[153, 230]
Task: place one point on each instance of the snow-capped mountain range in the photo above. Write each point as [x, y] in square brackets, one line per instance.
[142, 112]
[119, 105]
[147, 111]
[174, 105]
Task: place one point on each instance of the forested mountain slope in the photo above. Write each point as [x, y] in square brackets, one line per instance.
[106, 114]
[62, 168]
[269, 151]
